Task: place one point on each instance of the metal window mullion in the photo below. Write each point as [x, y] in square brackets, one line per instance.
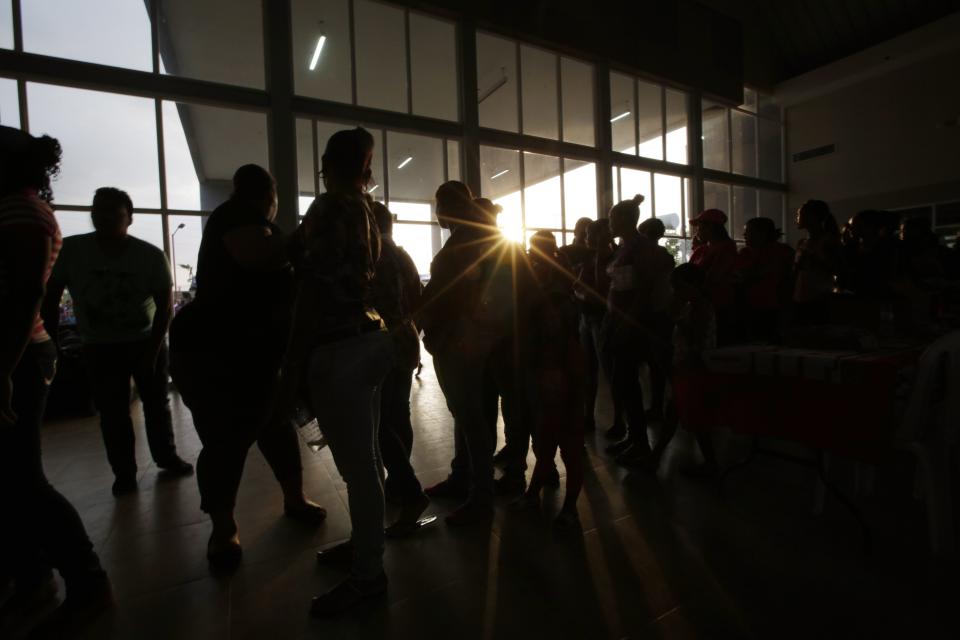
[518, 72]
[729, 140]
[17, 17]
[406, 42]
[523, 191]
[353, 51]
[636, 118]
[563, 201]
[154, 34]
[559, 77]
[315, 148]
[653, 195]
[386, 169]
[663, 121]
[162, 174]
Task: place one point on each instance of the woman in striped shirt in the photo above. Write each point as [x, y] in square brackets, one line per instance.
[39, 521]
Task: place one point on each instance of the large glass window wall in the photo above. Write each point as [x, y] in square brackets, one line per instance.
[202, 106]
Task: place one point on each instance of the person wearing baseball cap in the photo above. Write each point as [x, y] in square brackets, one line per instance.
[717, 256]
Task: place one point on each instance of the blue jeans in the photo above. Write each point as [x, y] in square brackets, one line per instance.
[344, 379]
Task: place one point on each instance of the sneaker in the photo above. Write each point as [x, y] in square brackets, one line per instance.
[509, 485]
[306, 511]
[409, 516]
[338, 554]
[448, 490]
[617, 448]
[348, 593]
[176, 466]
[470, 513]
[616, 432]
[224, 554]
[123, 485]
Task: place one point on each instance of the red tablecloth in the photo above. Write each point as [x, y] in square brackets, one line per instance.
[843, 402]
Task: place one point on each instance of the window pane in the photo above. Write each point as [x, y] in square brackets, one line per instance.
[650, 114]
[321, 49]
[6, 25]
[219, 142]
[744, 143]
[305, 168]
[148, 227]
[497, 82]
[744, 208]
[687, 206]
[9, 103]
[622, 113]
[541, 197]
[200, 40]
[116, 144]
[381, 55]
[633, 182]
[73, 223]
[184, 249]
[183, 184]
[500, 181]
[715, 137]
[771, 151]
[433, 66]
[616, 183]
[539, 82]
[411, 211]
[87, 31]
[453, 160]
[669, 200]
[579, 191]
[417, 240]
[771, 206]
[415, 165]
[715, 196]
[577, 82]
[676, 105]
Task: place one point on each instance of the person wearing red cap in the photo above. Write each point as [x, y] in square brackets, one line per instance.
[717, 256]
[765, 279]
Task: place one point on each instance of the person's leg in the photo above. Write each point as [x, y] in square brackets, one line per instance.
[591, 379]
[626, 384]
[109, 369]
[571, 452]
[152, 387]
[394, 401]
[39, 516]
[343, 398]
[457, 483]
[463, 379]
[608, 352]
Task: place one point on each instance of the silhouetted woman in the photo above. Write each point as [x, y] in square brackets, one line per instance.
[227, 346]
[340, 349]
[716, 254]
[40, 527]
[818, 261]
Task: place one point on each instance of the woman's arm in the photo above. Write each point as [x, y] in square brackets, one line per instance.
[26, 254]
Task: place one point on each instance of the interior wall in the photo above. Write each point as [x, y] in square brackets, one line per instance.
[897, 138]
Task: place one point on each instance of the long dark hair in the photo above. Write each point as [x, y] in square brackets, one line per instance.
[28, 162]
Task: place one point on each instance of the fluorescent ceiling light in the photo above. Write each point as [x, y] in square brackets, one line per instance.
[316, 52]
[373, 188]
[405, 162]
[499, 173]
[620, 117]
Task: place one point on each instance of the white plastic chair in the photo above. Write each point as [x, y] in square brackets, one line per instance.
[929, 430]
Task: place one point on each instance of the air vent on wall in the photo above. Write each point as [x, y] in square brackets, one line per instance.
[814, 153]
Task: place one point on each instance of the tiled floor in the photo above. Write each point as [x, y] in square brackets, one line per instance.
[660, 557]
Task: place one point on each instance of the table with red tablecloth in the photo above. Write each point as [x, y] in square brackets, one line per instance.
[842, 402]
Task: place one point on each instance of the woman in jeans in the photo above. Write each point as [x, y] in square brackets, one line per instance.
[340, 350]
[40, 527]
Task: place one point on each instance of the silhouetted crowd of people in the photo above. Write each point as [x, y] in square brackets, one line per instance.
[332, 318]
